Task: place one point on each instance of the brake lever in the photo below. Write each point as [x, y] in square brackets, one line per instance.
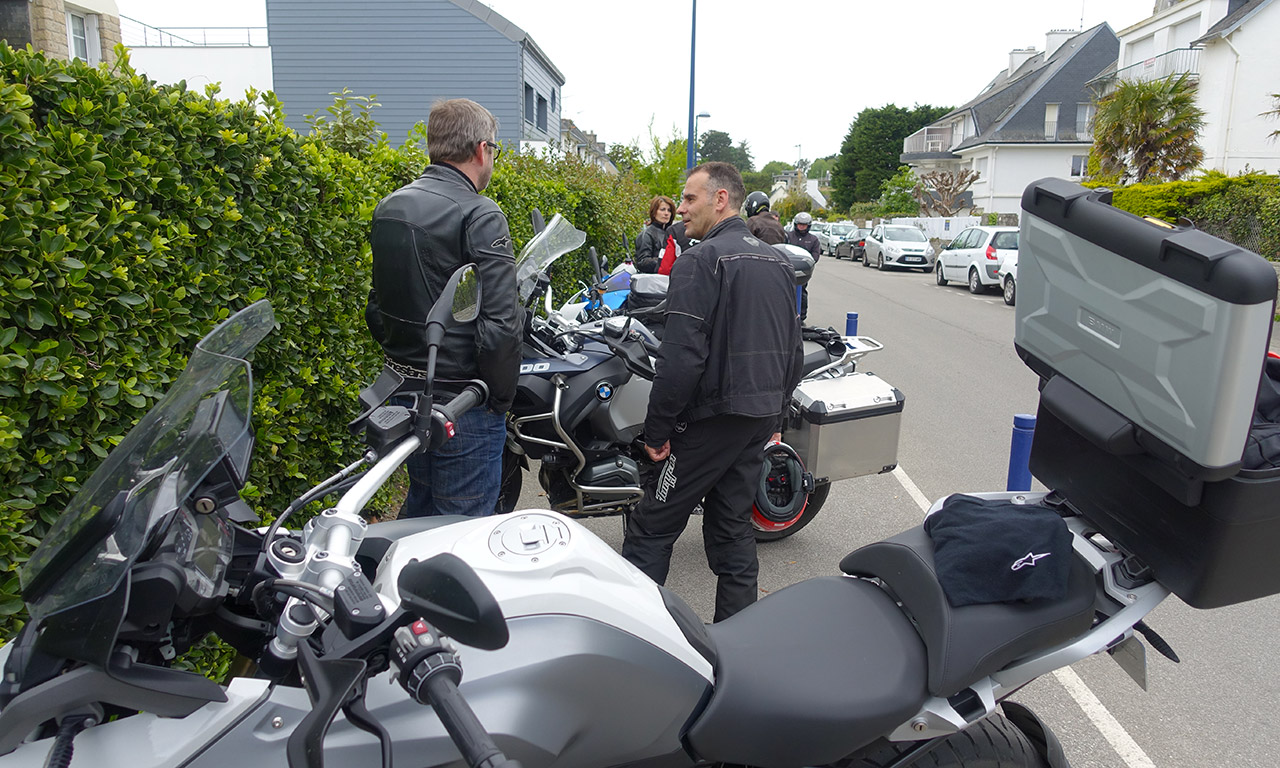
[330, 684]
[358, 715]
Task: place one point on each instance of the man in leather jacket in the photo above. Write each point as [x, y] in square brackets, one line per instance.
[802, 237]
[421, 234]
[762, 222]
[727, 365]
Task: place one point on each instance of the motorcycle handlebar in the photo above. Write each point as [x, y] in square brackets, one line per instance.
[469, 735]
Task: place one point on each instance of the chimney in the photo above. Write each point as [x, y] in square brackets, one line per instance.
[1054, 39]
[1018, 57]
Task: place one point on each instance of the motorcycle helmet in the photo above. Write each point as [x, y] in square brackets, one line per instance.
[756, 202]
[783, 490]
[804, 218]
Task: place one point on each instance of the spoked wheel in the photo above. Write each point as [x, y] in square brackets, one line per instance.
[1010, 291]
[772, 530]
[941, 280]
[991, 743]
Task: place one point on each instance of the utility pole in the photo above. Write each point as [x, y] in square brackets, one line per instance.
[693, 48]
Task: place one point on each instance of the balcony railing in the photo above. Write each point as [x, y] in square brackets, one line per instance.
[928, 139]
[1179, 61]
[135, 34]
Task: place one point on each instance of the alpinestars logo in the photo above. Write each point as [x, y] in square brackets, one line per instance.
[501, 242]
[666, 480]
[1029, 560]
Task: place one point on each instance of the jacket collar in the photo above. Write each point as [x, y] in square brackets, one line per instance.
[444, 169]
[733, 222]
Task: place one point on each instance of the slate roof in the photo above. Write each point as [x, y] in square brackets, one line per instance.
[508, 30]
[1232, 21]
[1002, 100]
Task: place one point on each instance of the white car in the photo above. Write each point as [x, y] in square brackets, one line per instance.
[1009, 278]
[975, 255]
[893, 245]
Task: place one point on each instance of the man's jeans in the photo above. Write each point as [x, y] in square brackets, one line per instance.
[462, 476]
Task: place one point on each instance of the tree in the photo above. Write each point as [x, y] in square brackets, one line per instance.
[938, 192]
[718, 146]
[870, 151]
[1274, 113]
[625, 157]
[822, 166]
[895, 195]
[1146, 131]
[661, 169]
[774, 167]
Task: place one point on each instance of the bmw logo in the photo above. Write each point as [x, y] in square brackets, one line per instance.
[604, 391]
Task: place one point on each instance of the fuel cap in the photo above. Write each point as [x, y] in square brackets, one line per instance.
[528, 536]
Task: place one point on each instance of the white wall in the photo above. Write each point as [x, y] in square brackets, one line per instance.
[236, 68]
[1156, 34]
[1234, 96]
[1010, 168]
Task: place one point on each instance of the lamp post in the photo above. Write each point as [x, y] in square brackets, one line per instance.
[696, 134]
[797, 156]
[693, 40]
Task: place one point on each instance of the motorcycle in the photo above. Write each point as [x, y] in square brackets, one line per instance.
[569, 655]
[584, 387]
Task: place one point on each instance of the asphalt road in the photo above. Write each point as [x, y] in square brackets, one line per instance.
[952, 355]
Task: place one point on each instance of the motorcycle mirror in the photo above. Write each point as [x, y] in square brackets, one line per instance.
[443, 314]
[595, 264]
[539, 224]
[466, 299]
[447, 593]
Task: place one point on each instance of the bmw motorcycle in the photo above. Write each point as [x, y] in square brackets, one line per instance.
[517, 639]
[583, 392]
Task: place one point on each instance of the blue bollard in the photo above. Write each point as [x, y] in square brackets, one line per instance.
[1024, 429]
[851, 324]
[799, 298]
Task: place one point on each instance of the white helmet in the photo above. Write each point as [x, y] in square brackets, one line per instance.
[803, 217]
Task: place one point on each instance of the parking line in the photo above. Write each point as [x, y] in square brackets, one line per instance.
[1094, 709]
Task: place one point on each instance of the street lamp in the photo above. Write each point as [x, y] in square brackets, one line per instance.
[696, 134]
[693, 41]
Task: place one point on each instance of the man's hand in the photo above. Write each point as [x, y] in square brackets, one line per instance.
[658, 454]
[777, 437]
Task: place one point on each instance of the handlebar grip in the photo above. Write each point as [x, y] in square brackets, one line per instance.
[443, 417]
[469, 735]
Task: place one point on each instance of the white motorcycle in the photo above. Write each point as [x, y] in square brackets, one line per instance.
[569, 656]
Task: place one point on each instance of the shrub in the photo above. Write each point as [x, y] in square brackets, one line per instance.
[135, 216]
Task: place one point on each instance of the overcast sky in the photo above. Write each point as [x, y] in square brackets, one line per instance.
[775, 74]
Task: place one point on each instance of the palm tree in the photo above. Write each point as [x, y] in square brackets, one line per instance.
[1146, 131]
[1275, 100]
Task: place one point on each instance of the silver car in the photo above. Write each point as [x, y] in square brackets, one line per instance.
[897, 245]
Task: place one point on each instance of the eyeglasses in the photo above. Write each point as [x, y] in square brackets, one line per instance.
[495, 146]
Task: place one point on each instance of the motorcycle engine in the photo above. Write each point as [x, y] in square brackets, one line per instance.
[613, 472]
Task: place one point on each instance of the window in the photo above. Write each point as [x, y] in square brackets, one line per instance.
[980, 165]
[1084, 116]
[82, 36]
[1050, 121]
[542, 114]
[528, 103]
[1078, 165]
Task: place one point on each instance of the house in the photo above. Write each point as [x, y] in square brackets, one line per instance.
[1030, 122]
[410, 55]
[783, 184]
[88, 30]
[585, 145]
[236, 58]
[1227, 43]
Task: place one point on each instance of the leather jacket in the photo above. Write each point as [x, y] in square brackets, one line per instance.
[765, 226]
[421, 234]
[732, 343]
[807, 241]
[650, 244]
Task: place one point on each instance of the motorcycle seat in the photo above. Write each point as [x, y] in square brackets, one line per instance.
[815, 356]
[809, 674]
[968, 643]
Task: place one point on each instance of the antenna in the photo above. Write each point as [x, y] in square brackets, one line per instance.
[1082, 15]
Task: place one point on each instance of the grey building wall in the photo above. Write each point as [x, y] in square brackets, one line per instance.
[1067, 89]
[545, 123]
[15, 22]
[409, 53]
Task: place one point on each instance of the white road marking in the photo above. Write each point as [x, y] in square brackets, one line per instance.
[1094, 709]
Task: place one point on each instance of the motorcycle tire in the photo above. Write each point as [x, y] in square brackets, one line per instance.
[513, 467]
[812, 506]
[991, 743]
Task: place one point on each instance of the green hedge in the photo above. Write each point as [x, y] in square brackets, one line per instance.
[134, 217]
[1242, 209]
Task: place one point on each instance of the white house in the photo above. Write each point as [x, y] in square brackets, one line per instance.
[236, 58]
[1030, 122]
[1230, 47]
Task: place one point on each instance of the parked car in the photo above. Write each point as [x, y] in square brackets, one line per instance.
[833, 237]
[896, 245]
[1009, 277]
[975, 255]
[854, 244]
